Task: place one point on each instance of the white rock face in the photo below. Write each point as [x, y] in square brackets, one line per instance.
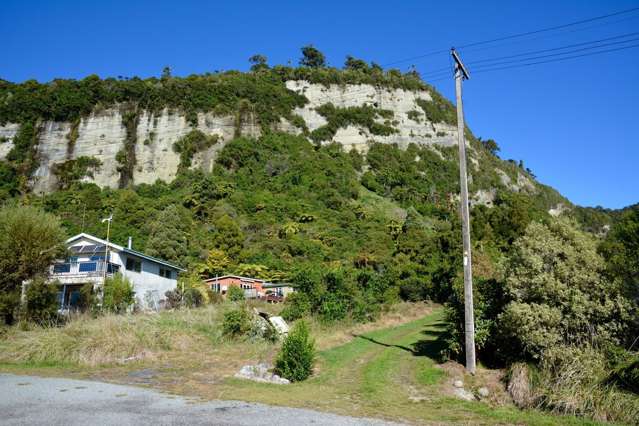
[102, 134]
[523, 183]
[50, 151]
[7, 132]
[401, 102]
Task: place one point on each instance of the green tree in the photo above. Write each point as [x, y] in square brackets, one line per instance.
[41, 301]
[258, 62]
[118, 294]
[490, 145]
[30, 240]
[355, 64]
[228, 236]
[217, 263]
[169, 235]
[296, 359]
[312, 58]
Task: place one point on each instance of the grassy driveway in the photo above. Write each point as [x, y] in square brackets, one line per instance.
[391, 373]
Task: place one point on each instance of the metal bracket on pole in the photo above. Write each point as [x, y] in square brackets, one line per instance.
[459, 64]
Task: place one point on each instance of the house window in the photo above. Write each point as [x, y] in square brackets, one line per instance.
[166, 273]
[133, 265]
[61, 268]
[88, 267]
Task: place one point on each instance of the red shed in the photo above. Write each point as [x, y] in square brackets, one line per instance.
[253, 287]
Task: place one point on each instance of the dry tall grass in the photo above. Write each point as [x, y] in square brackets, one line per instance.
[572, 380]
[194, 335]
[112, 339]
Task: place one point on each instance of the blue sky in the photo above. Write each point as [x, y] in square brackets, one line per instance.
[571, 122]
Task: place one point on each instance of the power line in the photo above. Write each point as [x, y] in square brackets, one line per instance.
[555, 48]
[477, 49]
[557, 27]
[513, 36]
[556, 54]
[436, 52]
[443, 70]
[557, 59]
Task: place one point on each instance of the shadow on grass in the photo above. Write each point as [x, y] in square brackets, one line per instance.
[431, 346]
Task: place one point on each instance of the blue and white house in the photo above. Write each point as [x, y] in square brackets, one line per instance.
[91, 260]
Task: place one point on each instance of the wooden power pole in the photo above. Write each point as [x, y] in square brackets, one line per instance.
[461, 73]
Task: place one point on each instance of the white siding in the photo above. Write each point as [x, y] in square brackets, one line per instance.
[149, 286]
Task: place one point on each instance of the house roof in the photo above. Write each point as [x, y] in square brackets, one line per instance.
[124, 250]
[278, 285]
[235, 276]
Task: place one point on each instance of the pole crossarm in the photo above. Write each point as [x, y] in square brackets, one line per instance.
[459, 65]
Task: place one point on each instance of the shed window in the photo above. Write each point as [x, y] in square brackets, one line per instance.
[166, 273]
[133, 265]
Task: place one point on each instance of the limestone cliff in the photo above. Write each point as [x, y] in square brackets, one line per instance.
[102, 134]
[147, 138]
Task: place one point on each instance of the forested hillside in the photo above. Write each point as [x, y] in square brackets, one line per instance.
[356, 229]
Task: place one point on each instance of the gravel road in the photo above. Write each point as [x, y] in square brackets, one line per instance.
[28, 400]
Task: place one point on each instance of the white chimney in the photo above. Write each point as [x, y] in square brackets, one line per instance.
[130, 243]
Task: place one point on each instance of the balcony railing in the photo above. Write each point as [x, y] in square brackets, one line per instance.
[92, 268]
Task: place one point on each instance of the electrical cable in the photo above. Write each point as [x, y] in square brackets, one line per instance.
[556, 60]
[513, 36]
[440, 70]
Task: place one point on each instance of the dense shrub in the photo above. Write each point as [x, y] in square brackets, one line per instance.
[192, 298]
[189, 298]
[236, 322]
[296, 306]
[333, 308]
[88, 300]
[118, 294]
[235, 293]
[621, 251]
[9, 304]
[190, 144]
[173, 299]
[41, 301]
[364, 116]
[72, 171]
[439, 109]
[296, 359]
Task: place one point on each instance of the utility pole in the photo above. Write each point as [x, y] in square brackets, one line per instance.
[106, 258]
[461, 73]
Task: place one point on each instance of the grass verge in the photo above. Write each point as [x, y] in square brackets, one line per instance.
[388, 369]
